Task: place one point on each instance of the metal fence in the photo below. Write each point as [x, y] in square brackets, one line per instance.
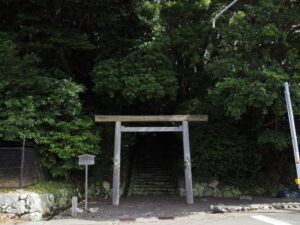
[17, 167]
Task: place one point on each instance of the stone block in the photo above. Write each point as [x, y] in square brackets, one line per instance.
[217, 192]
[32, 206]
[18, 207]
[51, 197]
[245, 197]
[208, 192]
[11, 215]
[236, 192]
[8, 199]
[35, 216]
[23, 196]
[106, 186]
[8, 209]
[218, 209]
[213, 183]
[181, 191]
[227, 194]
[254, 206]
[34, 202]
[198, 190]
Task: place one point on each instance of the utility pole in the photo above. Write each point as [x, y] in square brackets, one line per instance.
[293, 131]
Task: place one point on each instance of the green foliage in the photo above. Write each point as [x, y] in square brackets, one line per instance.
[221, 151]
[254, 60]
[278, 139]
[143, 57]
[255, 55]
[46, 187]
[44, 109]
[143, 75]
[50, 187]
[239, 92]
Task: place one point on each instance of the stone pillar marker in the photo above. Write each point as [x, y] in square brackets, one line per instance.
[74, 206]
[86, 160]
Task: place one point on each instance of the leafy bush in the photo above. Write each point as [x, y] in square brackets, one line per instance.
[44, 109]
[218, 150]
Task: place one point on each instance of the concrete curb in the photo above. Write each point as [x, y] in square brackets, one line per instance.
[248, 207]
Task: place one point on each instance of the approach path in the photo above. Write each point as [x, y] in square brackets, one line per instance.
[171, 210]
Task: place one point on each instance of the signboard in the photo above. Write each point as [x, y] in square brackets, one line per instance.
[86, 159]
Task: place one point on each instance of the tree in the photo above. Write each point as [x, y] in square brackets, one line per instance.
[44, 109]
[258, 51]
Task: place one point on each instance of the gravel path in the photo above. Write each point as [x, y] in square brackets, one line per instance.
[163, 207]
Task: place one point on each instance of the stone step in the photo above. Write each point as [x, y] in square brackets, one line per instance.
[153, 181]
[155, 185]
[152, 172]
[153, 188]
[145, 186]
[148, 167]
[161, 174]
[153, 175]
[152, 178]
[149, 189]
[149, 163]
[149, 178]
[160, 183]
[155, 193]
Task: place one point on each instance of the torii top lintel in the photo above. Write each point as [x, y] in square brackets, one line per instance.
[150, 118]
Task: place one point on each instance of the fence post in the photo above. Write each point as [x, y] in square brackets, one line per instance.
[22, 164]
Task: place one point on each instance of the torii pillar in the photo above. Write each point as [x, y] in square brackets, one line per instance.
[164, 118]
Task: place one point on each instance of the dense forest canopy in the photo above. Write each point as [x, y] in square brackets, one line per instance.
[61, 62]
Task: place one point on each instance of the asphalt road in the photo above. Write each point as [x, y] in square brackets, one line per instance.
[275, 217]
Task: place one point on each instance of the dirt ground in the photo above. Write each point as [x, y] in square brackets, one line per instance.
[160, 206]
[145, 207]
[5, 219]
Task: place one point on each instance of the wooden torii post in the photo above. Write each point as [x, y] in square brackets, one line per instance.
[159, 118]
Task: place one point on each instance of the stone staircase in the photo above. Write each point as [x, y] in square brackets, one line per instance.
[152, 175]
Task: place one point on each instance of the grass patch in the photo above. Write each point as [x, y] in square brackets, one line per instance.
[6, 190]
[42, 187]
[48, 187]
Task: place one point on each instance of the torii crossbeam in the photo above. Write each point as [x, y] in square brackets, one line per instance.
[159, 118]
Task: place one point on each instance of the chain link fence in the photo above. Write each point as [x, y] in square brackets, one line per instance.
[18, 167]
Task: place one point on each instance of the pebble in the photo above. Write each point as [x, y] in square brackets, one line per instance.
[79, 210]
[246, 198]
[93, 210]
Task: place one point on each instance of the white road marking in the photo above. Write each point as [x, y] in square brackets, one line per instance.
[270, 220]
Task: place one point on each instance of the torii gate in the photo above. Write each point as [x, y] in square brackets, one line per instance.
[159, 118]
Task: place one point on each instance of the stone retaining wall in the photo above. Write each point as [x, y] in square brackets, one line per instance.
[34, 206]
[214, 189]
